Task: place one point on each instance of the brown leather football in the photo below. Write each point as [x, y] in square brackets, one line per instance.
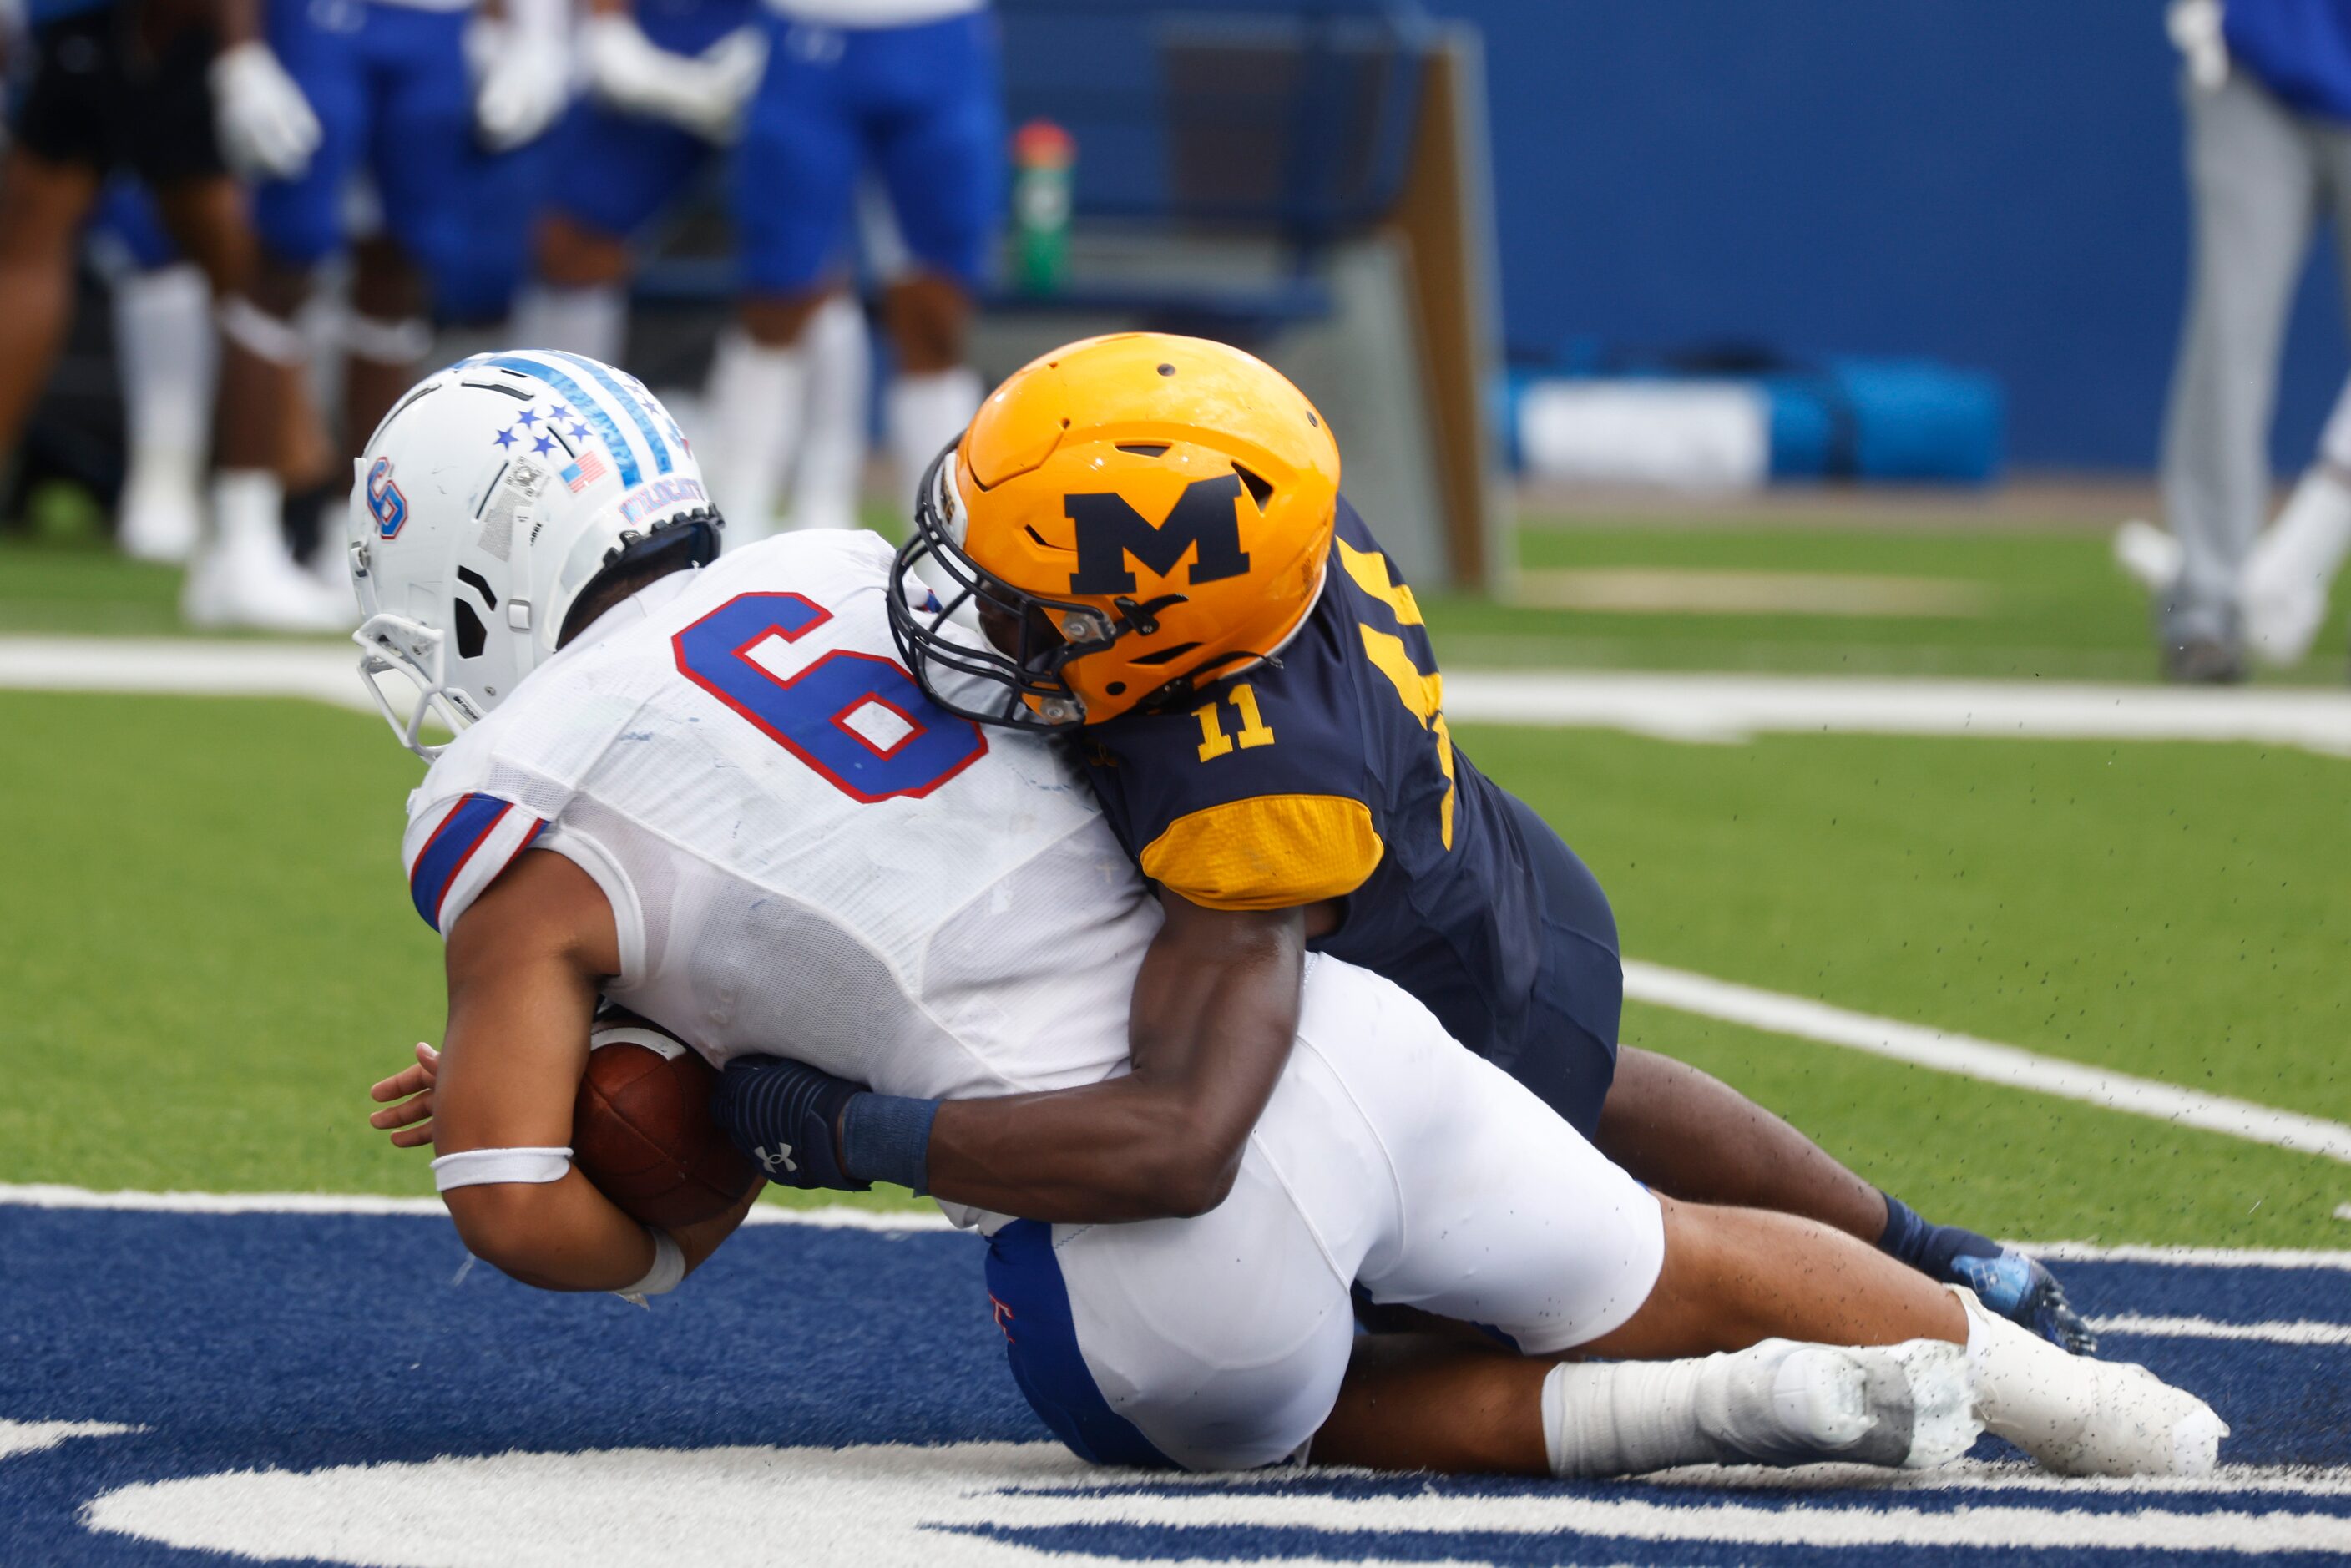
[641, 1130]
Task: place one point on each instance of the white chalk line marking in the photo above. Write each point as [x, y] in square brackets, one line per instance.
[36, 1437]
[2192, 1257]
[2303, 1332]
[53, 1196]
[886, 1505]
[1729, 707]
[2011, 1067]
[837, 1216]
[1672, 707]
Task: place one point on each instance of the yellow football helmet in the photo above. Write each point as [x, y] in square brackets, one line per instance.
[1128, 518]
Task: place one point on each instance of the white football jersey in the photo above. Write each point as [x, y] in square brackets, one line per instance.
[803, 855]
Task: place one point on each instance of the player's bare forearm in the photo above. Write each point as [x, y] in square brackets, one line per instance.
[524, 965]
[1214, 1011]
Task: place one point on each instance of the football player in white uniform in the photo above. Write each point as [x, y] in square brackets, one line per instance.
[718, 800]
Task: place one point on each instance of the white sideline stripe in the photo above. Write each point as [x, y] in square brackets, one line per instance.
[842, 1218]
[43, 1196]
[1718, 707]
[2303, 1332]
[2193, 1257]
[2007, 1065]
[324, 672]
[1701, 708]
[34, 1437]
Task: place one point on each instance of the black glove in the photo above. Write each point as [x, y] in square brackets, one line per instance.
[787, 1116]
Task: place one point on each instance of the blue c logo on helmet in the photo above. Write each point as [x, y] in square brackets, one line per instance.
[385, 503]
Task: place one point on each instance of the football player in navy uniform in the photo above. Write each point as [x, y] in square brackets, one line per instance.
[1146, 535]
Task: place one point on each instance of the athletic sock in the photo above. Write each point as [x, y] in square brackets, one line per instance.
[247, 511]
[1932, 1249]
[593, 322]
[827, 480]
[925, 412]
[757, 395]
[1776, 1403]
[164, 325]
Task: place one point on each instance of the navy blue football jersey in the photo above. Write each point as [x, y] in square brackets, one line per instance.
[1332, 775]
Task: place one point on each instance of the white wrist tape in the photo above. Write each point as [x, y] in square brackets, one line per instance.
[383, 343]
[669, 1267]
[478, 1167]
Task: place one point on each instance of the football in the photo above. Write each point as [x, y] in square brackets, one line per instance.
[641, 1130]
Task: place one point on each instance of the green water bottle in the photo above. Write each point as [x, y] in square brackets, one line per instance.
[1042, 153]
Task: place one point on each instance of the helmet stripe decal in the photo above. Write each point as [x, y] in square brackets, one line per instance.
[631, 404]
[625, 456]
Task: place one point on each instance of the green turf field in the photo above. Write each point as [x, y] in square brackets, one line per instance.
[208, 951]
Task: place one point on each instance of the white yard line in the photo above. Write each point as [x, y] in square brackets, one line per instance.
[2007, 1065]
[1715, 708]
[1705, 707]
[2189, 1257]
[839, 1216]
[324, 672]
[2303, 1332]
[33, 1436]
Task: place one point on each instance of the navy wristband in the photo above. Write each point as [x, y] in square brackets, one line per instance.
[887, 1137]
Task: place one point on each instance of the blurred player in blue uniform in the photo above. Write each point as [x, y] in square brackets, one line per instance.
[1147, 532]
[907, 90]
[423, 97]
[667, 83]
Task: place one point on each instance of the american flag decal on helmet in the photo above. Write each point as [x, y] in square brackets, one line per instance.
[578, 476]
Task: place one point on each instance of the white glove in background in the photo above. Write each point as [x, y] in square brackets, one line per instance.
[704, 93]
[522, 71]
[2195, 29]
[266, 126]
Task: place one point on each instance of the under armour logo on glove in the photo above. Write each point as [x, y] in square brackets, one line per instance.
[786, 1116]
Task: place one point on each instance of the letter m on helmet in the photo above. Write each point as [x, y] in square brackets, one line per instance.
[1110, 531]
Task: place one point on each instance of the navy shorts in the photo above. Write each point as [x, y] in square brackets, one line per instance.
[113, 87]
[918, 105]
[1565, 1050]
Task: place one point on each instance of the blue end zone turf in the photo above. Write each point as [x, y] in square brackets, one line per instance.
[298, 1343]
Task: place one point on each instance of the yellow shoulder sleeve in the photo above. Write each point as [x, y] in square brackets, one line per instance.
[1274, 852]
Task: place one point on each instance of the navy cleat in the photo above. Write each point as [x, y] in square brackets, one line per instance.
[2022, 1291]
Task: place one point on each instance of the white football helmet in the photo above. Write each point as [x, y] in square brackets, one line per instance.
[489, 500]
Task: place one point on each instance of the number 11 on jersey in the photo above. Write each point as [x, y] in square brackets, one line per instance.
[1253, 731]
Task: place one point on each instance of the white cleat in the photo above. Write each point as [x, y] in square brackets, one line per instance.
[258, 589]
[2148, 555]
[2282, 595]
[1783, 1403]
[2281, 620]
[2081, 1416]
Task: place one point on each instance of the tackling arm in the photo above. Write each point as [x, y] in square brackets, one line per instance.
[524, 962]
[1214, 1011]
